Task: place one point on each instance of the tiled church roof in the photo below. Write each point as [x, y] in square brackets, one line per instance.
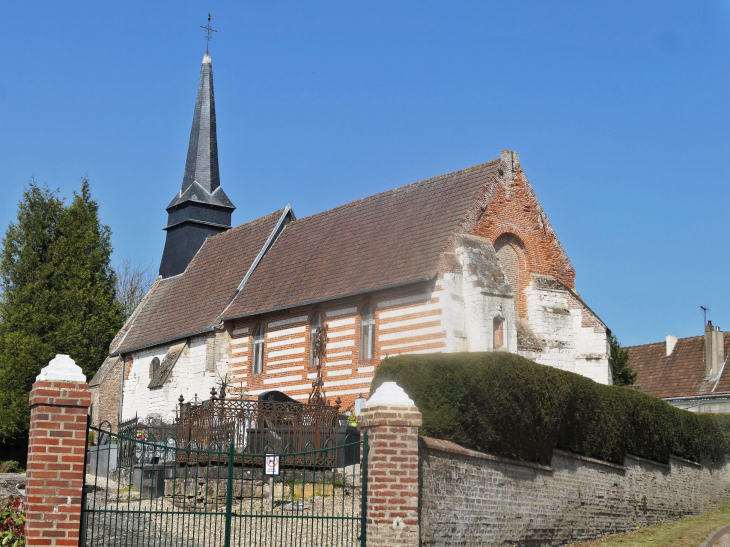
[384, 240]
[188, 303]
[380, 241]
[680, 374]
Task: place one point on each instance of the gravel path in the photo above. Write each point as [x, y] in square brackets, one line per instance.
[724, 541]
[9, 482]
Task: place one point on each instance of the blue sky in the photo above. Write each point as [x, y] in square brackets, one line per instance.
[618, 110]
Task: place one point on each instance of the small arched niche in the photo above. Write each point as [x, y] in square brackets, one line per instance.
[510, 253]
[498, 337]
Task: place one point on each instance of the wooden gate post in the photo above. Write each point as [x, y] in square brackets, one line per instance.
[59, 405]
[392, 421]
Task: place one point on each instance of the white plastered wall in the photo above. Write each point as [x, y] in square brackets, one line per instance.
[557, 318]
[189, 377]
[473, 297]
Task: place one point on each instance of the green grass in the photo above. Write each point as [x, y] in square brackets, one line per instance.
[689, 532]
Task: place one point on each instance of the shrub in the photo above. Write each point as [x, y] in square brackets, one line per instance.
[10, 467]
[12, 522]
[505, 404]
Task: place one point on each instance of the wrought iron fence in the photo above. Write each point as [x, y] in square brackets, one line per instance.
[150, 430]
[200, 496]
[252, 424]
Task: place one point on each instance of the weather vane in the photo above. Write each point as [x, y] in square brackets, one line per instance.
[208, 29]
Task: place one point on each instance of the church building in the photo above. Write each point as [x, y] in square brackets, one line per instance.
[466, 261]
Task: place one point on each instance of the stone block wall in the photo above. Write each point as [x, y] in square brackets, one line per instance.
[474, 293]
[571, 337]
[469, 498]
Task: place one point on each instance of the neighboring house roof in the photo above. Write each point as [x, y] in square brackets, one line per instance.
[681, 374]
[381, 241]
[187, 304]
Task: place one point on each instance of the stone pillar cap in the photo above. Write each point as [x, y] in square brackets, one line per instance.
[61, 367]
[389, 394]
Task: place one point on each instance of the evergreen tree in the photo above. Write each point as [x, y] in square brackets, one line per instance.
[57, 296]
[623, 374]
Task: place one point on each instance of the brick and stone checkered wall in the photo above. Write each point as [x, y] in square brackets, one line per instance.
[55, 474]
[407, 320]
[469, 498]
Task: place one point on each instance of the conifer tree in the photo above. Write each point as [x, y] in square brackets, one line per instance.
[623, 374]
[57, 296]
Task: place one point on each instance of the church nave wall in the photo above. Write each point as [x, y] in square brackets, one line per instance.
[406, 320]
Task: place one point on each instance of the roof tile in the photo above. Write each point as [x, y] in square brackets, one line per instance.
[681, 374]
[383, 240]
[188, 303]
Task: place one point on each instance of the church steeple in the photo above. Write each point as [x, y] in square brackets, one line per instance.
[201, 208]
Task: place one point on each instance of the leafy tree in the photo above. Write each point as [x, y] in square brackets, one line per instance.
[57, 295]
[623, 374]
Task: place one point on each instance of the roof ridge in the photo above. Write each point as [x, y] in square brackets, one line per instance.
[661, 343]
[249, 223]
[392, 191]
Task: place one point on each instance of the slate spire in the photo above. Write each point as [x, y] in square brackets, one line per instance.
[201, 181]
[201, 208]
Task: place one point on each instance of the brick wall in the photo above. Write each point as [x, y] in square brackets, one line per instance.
[105, 397]
[469, 498]
[392, 482]
[513, 208]
[56, 462]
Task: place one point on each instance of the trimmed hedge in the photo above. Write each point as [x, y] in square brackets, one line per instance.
[504, 404]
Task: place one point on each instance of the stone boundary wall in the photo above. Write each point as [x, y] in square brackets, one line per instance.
[468, 498]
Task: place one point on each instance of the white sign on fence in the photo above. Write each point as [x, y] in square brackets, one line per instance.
[272, 465]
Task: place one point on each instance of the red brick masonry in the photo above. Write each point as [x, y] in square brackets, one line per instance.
[392, 509]
[55, 477]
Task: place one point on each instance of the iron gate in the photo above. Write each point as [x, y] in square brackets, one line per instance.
[139, 491]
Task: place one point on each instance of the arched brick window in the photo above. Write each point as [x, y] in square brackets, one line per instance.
[509, 251]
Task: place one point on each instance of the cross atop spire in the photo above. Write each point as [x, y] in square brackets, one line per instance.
[208, 36]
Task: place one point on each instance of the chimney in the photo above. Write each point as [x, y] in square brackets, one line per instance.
[671, 342]
[714, 350]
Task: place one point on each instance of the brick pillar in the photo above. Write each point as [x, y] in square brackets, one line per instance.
[392, 422]
[59, 404]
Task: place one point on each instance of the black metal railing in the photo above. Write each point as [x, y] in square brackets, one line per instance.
[165, 494]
